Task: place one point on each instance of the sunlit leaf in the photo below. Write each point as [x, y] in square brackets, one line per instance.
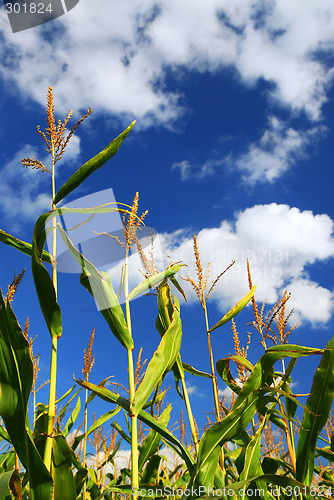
[92, 165]
[317, 409]
[235, 310]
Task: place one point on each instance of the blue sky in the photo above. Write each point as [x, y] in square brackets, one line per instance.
[233, 141]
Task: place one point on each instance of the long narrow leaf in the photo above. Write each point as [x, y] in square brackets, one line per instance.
[162, 361]
[100, 287]
[154, 281]
[92, 165]
[22, 246]
[235, 310]
[146, 418]
[317, 409]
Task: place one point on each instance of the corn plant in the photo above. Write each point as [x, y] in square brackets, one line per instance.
[237, 456]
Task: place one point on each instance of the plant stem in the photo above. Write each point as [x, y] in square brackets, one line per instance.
[213, 375]
[53, 365]
[84, 492]
[289, 434]
[134, 423]
[190, 413]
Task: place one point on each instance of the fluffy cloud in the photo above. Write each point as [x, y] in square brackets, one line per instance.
[114, 55]
[281, 242]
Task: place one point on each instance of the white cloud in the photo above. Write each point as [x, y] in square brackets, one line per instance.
[188, 169]
[114, 55]
[311, 300]
[276, 151]
[280, 242]
[265, 160]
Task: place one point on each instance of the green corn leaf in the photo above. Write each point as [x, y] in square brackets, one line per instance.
[64, 409]
[151, 470]
[162, 361]
[152, 440]
[154, 281]
[22, 246]
[4, 434]
[92, 165]
[72, 419]
[80, 479]
[5, 478]
[282, 481]
[166, 308]
[92, 395]
[223, 369]
[16, 374]
[317, 409]
[249, 400]
[100, 421]
[64, 486]
[100, 287]
[325, 453]
[145, 417]
[190, 369]
[43, 283]
[7, 461]
[252, 463]
[122, 433]
[235, 310]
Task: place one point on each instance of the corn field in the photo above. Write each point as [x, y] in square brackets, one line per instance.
[255, 447]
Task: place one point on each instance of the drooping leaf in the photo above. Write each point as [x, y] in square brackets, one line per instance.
[235, 310]
[166, 308]
[22, 246]
[317, 409]
[99, 285]
[154, 281]
[92, 165]
[193, 371]
[43, 283]
[145, 417]
[16, 373]
[151, 470]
